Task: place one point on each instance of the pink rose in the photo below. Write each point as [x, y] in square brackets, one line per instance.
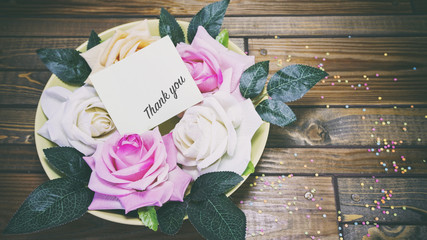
[212, 65]
[133, 171]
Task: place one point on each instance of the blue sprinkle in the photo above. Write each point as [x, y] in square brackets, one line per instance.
[359, 85]
[372, 149]
[295, 154]
[349, 36]
[384, 164]
[409, 168]
[355, 223]
[378, 143]
[346, 106]
[377, 154]
[340, 234]
[386, 169]
[340, 228]
[364, 110]
[415, 68]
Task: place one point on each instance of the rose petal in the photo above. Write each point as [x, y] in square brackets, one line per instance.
[99, 185]
[52, 100]
[153, 197]
[171, 150]
[103, 202]
[180, 180]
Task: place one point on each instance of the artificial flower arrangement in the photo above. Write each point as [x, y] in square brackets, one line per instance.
[161, 179]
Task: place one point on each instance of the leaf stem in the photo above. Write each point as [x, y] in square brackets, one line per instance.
[258, 99]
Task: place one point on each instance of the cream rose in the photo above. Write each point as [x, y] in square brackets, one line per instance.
[216, 134]
[121, 45]
[75, 119]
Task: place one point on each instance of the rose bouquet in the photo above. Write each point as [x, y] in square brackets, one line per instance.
[184, 167]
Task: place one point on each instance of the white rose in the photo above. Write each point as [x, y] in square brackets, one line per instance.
[75, 119]
[216, 134]
[121, 45]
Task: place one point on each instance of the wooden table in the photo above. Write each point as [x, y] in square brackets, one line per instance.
[359, 142]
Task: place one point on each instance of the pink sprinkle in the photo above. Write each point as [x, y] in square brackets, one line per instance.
[315, 57]
[308, 216]
[352, 86]
[275, 57]
[378, 207]
[322, 97]
[367, 88]
[254, 198]
[381, 119]
[395, 170]
[376, 180]
[377, 75]
[373, 129]
[363, 223]
[320, 208]
[241, 202]
[324, 59]
[369, 150]
[313, 199]
[311, 160]
[389, 195]
[365, 84]
[326, 77]
[383, 212]
[378, 226]
[332, 84]
[395, 79]
[368, 235]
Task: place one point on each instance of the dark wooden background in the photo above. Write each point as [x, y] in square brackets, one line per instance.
[325, 151]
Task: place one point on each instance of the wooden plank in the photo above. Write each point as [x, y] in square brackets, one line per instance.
[181, 7]
[280, 199]
[384, 232]
[341, 161]
[19, 158]
[22, 87]
[347, 128]
[287, 26]
[419, 6]
[23, 158]
[347, 61]
[20, 53]
[314, 127]
[365, 199]
[356, 58]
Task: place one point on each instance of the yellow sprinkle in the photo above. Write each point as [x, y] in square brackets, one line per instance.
[380, 98]
[316, 174]
[364, 76]
[385, 54]
[256, 177]
[372, 209]
[362, 184]
[327, 54]
[254, 184]
[276, 220]
[275, 37]
[265, 201]
[281, 163]
[327, 106]
[306, 46]
[367, 205]
[318, 232]
[305, 165]
[259, 211]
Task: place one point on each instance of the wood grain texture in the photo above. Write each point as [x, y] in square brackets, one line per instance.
[340, 161]
[281, 199]
[356, 58]
[314, 127]
[346, 128]
[406, 205]
[419, 6]
[384, 232]
[351, 59]
[20, 53]
[326, 161]
[181, 7]
[22, 87]
[285, 26]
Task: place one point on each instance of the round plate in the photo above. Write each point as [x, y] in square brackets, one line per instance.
[258, 141]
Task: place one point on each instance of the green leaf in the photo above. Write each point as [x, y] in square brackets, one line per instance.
[52, 204]
[223, 38]
[217, 218]
[213, 184]
[253, 79]
[210, 17]
[169, 26]
[148, 217]
[94, 40]
[275, 112]
[69, 161]
[171, 215]
[249, 169]
[292, 82]
[66, 64]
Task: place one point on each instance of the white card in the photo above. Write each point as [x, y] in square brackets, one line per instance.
[146, 88]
